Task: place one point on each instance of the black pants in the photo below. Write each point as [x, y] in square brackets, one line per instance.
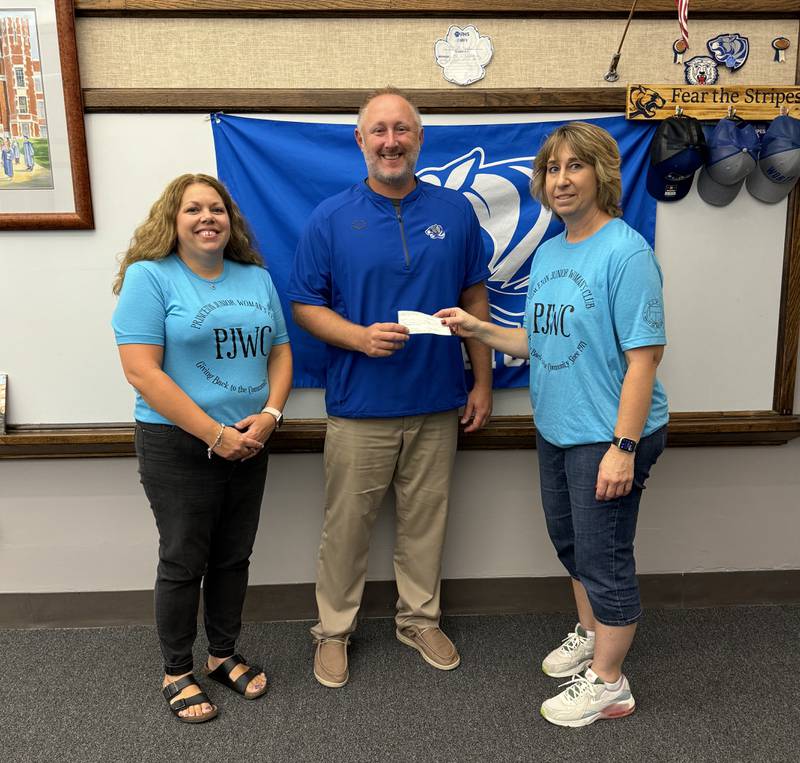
[207, 515]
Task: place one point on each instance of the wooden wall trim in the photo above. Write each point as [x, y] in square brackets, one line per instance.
[462, 596]
[337, 100]
[467, 8]
[720, 428]
[789, 316]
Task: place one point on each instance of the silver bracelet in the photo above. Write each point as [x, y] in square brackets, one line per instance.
[218, 440]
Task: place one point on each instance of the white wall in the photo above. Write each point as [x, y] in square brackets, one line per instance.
[84, 525]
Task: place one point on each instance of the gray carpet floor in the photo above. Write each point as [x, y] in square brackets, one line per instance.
[710, 685]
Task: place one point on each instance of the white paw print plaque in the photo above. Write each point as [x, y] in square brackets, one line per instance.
[463, 55]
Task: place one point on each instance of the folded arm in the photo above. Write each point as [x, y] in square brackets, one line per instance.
[142, 364]
[279, 372]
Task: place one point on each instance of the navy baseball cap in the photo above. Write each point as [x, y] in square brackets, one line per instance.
[678, 150]
[733, 148]
[779, 162]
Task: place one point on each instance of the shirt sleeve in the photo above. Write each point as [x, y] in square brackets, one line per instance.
[637, 302]
[142, 308]
[477, 260]
[310, 282]
[281, 334]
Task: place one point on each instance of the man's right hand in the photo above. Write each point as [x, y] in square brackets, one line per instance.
[383, 339]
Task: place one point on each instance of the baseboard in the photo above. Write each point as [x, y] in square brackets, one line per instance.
[474, 596]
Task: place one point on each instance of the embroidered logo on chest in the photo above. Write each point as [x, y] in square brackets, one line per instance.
[435, 231]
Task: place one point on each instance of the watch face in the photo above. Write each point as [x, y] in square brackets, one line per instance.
[626, 444]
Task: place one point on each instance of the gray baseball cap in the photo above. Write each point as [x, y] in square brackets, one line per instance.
[779, 162]
[733, 148]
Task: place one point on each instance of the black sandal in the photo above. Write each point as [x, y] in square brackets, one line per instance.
[176, 687]
[221, 674]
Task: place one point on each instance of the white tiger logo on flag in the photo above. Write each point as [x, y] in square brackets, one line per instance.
[514, 221]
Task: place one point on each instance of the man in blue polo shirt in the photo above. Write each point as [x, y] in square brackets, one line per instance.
[389, 243]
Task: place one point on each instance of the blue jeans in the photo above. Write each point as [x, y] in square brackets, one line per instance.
[594, 539]
[207, 514]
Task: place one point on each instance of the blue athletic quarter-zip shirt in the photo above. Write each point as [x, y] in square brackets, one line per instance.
[216, 333]
[587, 304]
[366, 260]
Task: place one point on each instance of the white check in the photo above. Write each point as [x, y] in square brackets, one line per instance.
[421, 323]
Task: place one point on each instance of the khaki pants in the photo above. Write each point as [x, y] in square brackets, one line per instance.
[362, 458]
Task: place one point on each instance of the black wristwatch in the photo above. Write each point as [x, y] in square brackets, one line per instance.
[625, 443]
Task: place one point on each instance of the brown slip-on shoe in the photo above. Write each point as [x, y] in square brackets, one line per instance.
[330, 662]
[436, 649]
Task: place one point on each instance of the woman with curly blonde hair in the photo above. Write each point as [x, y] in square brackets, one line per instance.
[594, 335]
[156, 237]
[203, 341]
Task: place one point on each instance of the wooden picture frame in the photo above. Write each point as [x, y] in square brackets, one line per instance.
[3, 388]
[44, 168]
[446, 8]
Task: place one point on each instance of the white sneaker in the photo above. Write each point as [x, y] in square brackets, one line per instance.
[587, 699]
[572, 657]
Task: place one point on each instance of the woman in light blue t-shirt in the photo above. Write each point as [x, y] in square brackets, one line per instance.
[594, 335]
[203, 341]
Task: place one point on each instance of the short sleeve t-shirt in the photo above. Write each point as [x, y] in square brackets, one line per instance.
[587, 304]
[216, 334]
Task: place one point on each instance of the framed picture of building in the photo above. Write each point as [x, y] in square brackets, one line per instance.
[44, 170]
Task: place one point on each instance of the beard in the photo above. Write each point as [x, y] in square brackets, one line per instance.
[397, 177]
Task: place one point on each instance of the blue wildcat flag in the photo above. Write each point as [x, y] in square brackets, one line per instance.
[279, 171]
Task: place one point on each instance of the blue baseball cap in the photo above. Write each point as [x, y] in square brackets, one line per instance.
[733, 148]
[678, 150]
[779, 162]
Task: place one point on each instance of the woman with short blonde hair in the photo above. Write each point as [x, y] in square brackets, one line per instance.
[593, 146]
[594, 335]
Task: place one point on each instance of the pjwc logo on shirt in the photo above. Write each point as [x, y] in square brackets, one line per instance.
[234, 341]
[514, 222]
